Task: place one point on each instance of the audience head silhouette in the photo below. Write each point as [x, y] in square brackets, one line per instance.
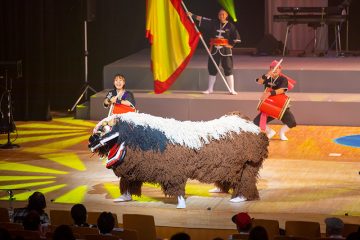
[334, 226]
[37, 202]
[180, 236]
[258, 233]
[79, 214]
[63, 232]
[4, 234]
[106, 222]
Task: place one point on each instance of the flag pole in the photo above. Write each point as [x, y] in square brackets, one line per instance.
[206, 47]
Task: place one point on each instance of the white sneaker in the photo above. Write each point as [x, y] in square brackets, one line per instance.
[283, 137]
[181, 203]
[282, 132]
[238, 199]
[123, 198]
[215, 190]
[233, 93]
[270, 133]
[207, 92]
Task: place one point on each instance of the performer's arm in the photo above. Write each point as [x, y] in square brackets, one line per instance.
[273, 93]
[200, 20]
[260, 80]
[109, 99]
[235, 36]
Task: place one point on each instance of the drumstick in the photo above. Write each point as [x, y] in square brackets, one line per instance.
[276, 67]
[112, 106]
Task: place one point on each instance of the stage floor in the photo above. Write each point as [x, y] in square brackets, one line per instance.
[306, 178]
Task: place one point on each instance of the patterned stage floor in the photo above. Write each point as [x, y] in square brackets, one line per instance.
[308, 177]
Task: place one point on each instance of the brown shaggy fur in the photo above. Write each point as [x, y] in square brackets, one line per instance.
[230, 163]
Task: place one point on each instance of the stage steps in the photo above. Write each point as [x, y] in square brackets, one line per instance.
[313, 75]
[326, 92]
[338, 109]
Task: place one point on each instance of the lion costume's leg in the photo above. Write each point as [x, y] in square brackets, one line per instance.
[246, 186]
[174, 188]
[223, 186]
[131, 187]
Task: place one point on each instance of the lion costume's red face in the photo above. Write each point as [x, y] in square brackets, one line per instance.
[108, 146]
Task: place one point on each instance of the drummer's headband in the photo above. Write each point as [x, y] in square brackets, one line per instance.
[276, 64]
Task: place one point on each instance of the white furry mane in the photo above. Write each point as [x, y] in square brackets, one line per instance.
[188, 133]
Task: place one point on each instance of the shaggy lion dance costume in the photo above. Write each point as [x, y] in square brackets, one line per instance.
[228, 151]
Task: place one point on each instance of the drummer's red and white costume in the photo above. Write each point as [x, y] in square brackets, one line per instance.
[224, 36]
[276, 84]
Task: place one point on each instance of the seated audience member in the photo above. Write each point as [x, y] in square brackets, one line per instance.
[353, 236]
[63, 232]
[4, 234]
[79, 215]
[258, 233]
[106, 223]
[334, 227]
[31, 221]
[36, 202]
[243, 222]
[180, 236]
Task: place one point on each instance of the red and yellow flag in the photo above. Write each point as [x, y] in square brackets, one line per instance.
[173, 41]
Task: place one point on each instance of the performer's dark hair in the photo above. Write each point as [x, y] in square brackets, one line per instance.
[223, 9]
[119, 76]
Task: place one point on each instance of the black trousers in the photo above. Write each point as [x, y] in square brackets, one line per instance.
[226, 63]
[288, 119]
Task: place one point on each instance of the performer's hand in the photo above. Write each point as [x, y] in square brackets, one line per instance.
[113, 100]
[190, 14]
[270, 74]
[265, 96]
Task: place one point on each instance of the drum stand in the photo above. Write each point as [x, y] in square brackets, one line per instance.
[10, 123]
[86, 86]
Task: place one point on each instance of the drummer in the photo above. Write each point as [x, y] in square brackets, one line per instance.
[277, 84]
[119, 95]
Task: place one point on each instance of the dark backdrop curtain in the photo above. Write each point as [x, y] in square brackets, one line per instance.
[24, 36]
[48, 36]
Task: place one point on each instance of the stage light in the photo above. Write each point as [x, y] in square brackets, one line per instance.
[47, 140]
[113, 190]
[197, 190]
[70, 160]
[55, 146]
[75, 195]
[52, 126]
[23, 178]
[22, 167]
[25, 185]
[229, 6]
[48, 137]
